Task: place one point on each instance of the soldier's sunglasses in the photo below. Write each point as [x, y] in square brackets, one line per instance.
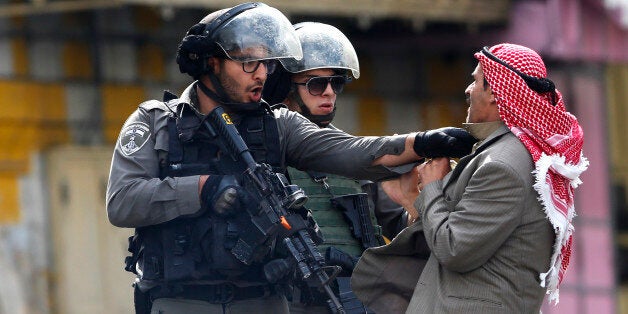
[318, 84]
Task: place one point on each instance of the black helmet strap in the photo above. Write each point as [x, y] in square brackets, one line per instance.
[322, 120]
[225, 101]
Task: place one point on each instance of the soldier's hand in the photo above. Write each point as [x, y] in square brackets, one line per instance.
[336, 257]
[277, 269]
[221, 194]
[443, 142]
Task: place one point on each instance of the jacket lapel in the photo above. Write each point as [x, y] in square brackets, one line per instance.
[462, 163]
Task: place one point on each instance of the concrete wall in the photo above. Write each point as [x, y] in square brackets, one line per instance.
[88, 254]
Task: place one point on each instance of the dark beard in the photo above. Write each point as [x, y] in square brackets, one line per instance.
[229, 85]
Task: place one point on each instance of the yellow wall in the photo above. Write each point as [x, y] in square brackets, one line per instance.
[9, 204]
[76, 60]
[32, 117]
[119, 101]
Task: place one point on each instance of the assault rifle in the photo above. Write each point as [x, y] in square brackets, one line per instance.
[355, 208]
[275, 215]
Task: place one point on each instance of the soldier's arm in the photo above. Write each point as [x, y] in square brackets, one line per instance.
[309, 147]
[136, 196]
[406, 156]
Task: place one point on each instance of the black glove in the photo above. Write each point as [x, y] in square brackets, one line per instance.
[336, 257]
[221, 194]
[277, 269]
[444, 142]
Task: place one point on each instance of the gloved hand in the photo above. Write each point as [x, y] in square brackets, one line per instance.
[221, 194]
[277, 269]
[443, 142]
[336, 257]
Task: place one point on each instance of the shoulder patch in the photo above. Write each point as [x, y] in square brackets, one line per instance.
[133, 137]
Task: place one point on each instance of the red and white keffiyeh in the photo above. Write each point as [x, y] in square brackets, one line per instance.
[552, 136]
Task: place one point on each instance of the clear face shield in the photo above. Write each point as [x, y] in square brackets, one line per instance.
[258, 34]
[324, 46]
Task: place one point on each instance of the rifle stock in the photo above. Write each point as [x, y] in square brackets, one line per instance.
[355, 208]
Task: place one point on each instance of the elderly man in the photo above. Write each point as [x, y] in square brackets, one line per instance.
[498, 225]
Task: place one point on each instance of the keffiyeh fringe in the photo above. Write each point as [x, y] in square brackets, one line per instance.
[555, 208]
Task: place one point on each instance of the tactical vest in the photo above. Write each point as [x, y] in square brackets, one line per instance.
[198, 248]
[333, 223]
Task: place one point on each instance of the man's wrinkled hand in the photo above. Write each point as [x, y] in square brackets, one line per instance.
[433, 170]
[404, 189]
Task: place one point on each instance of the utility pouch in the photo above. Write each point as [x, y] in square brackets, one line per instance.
[185, 244]
[179, 259]
[146, 254]
[225, 235]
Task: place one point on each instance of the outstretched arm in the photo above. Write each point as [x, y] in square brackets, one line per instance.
[443, 142]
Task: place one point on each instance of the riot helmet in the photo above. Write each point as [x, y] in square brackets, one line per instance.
[247, 32]
[324, 46]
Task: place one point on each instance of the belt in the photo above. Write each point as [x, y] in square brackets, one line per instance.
[219, 293]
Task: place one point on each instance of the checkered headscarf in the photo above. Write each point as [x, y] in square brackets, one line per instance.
[551, 135]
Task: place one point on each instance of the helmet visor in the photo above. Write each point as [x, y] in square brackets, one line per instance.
[324, 46]
[258, 34]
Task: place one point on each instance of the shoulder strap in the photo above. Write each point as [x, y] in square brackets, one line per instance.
[168, 96]
[169, 100]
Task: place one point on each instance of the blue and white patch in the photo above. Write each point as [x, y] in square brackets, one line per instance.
[133, 137]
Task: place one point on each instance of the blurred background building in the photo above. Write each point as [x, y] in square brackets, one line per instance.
[72, 70]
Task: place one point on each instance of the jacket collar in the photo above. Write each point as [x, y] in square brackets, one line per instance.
[478, 147]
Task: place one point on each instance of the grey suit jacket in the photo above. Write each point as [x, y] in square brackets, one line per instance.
[488, 235]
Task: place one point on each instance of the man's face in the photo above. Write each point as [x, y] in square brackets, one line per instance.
[321, 104]
[482, 105]
[240, 86]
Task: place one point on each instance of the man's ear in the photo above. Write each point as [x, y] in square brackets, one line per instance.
[290, 100]
[494, 108]
[493, 98]
[211, 64]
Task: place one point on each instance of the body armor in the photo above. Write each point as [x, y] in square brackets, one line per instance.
[198, 248]
[336, 229]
